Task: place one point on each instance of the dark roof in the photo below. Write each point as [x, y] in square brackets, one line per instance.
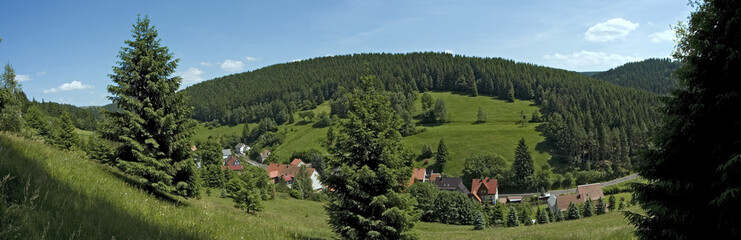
[451, 184]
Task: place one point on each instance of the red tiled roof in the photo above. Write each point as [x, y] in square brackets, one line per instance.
[583, 192]
[434, 177]
[489, 184]
[296, 161]
[418, 174]
[276, 170]
[231, 164]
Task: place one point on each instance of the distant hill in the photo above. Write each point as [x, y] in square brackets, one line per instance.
[589, 74]
[653, 75]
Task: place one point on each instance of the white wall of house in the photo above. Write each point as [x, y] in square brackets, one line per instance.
[315, 183]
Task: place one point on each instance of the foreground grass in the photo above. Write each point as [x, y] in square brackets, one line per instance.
[463, 137]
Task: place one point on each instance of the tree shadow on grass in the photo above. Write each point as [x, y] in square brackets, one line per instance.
[302, 122]
[53, 209]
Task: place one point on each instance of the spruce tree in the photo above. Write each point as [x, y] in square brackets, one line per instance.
[572, 212]
[600, 207]
[512, 220]
[588, 208]
[542, 216]
[558, 216]
[523, 167]
[621, 205]
[67, 139]
[153, 124]
[441, 157]
[11, 118]
[367, 202]
[246, 133]
[440, 111]
[694, 169]
[481, 116]
[611, 203]
[478, 221]
[511, 93]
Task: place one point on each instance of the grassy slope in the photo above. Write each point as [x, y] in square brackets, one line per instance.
[499, 134]
[97, 205]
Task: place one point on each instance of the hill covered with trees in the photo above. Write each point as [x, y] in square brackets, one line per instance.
[653, 75]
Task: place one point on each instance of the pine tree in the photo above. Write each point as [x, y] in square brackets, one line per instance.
[588, 209]
[558, 216]
[66, 137]
[511, 93]
[37, 119]
[611, 203]
[525, 217]
[441, 157]
[370, 177]
[478, 221]
[600, 207]
[523, 167]
[621, 205]
[694, 168]
[551, 216]
[481, 116]
[512, 220]
[572, 212]
[246, 133]
[542, 216]
[440, 111]
[11, 118]
[153, 124]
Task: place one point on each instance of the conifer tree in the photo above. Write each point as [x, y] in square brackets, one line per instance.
[611, 203]
[572, 212]
[246, 133]
[11, 118]
[441, 157]
[542, 216]
[600, 207]
[588, 208]
[694, 168]
[478, 221]
[367, 202]
[153, 124]
[621, 205]
[523, 167]
[66, 137]
[440, 111]
[551, 216]
[558, 215]
[481, 116]
[511, 93]
[512, 220]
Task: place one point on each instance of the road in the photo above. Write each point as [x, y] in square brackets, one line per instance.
[573, 190]
[256, 164]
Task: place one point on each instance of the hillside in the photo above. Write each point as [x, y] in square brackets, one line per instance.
[56, 195]
[653, 75]
[462, 136]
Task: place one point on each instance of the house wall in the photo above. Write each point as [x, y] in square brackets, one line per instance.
[315, 183]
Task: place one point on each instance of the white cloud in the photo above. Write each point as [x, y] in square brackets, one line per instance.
[448, 51]
[665, 36]
[42, 73]
[251, 59]
[70, 86]
[611, 30]
[206, 64]
[191, 76]
[590, 60]
[232, 65]
[22, 78]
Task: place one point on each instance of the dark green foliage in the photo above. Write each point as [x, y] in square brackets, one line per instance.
[694, 170]
[536, 118]
[632, 199]
[441, 157]
[244, 197]
[511, 93]
[653, 75]
[308, 115]
[427, 102]
[479, 222]
[525, 217]
[453, 207]
[572, 212]
[568, 180]
[338, 107]
[522, 167]
[426, 151]
[67, 139]
[621, 205]
[322, 120]
[599, 208]
[313, 156]
[482, 166]
[542, 216]
[370, 176]
[496, 214]
[11, 118]
[512, 220]
[37, 119]
[263, 130]
[588, 209]
[425, 193]
[101, 150]
[481, 116]
[246, 133]
[551, 216]
[303, 183]
[440, 111]
[209, 152]
[213, 176]
[153, 126]
[558, 215]
[611, 204]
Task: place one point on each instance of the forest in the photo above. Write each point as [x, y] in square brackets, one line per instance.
[653, 75]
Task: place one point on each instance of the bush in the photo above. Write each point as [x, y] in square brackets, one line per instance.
[295, 194]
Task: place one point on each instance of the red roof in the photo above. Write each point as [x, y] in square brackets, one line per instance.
[583, 192]
[418, 174]
[296, 161]
[286, 171]
[434, 177]
[232, 163]
[490, 185]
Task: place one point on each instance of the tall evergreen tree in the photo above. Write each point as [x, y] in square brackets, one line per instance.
[694, 170]
[572, 212]
[588, 209]
[523, 167]
[367, 202]
[611, 203]
[481, 116]
[441, 157]
[512, 220]
[153, 123]
[66, 137]
[479, 223]
[246, 133]
[558, 216]
[440, 111]
[599, 208]
[511, 93]
[11, 118]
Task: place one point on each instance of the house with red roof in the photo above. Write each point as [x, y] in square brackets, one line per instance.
[583, 192]
[232, 163]
[417, 176]
[287, 172]
[485, 190]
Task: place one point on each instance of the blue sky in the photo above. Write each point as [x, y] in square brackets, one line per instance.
[63, 51]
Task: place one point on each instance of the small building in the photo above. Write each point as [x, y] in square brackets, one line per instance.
[485, 190]
[583, 192]
[225, 153]
[451, 184]
[417, 176]
[232, 163]
[287, 173]
[297, 162]
[264, 155]
[241, 148]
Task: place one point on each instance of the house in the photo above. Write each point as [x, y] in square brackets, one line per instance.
[241, 148]
[417, 176]
[264, 155]
[434, 176]
[298, 162]
[583, 192]
[485, 190]
[232, 163]
[287, 173]
[451, 184]
[225, 153]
